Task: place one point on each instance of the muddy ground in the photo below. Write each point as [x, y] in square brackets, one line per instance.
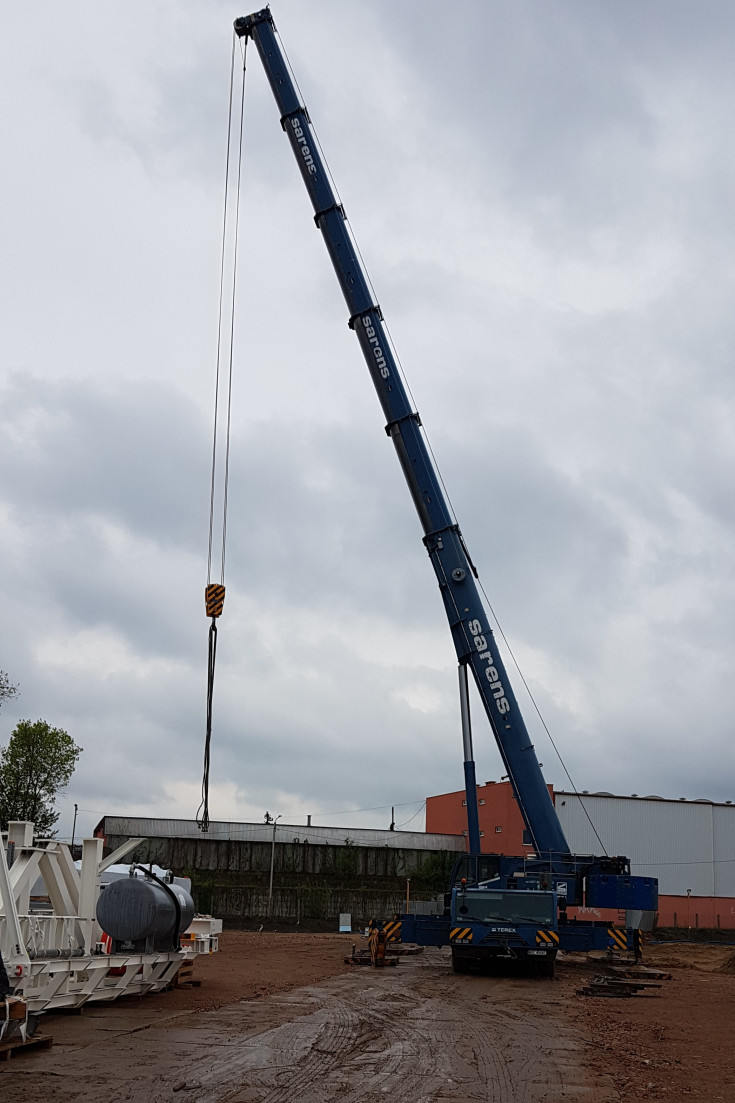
[282, 1019]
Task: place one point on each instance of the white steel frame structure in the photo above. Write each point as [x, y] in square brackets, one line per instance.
[57, 958]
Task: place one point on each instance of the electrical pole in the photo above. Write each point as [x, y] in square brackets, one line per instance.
[273, 855]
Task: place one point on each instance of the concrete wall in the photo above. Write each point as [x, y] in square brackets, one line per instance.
[226, 830]
[312, 884]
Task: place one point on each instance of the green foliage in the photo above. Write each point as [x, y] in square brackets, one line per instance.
[315, 902]
[7, 689]
[202, 889]
[433, 873]
[35, 767]
[346, 859]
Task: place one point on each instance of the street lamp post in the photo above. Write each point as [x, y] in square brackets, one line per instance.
[74, 825]
[273, 855]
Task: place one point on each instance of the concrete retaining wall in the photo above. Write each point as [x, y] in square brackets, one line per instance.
[312, 885]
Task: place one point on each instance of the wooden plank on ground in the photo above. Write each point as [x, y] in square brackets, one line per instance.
[17, 1046]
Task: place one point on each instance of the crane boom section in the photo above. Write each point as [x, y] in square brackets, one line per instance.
[473, 638]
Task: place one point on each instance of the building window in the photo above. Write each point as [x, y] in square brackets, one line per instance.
[482, 834]
[481, 802]
[498, 830]
[464, 803]
[527, 840]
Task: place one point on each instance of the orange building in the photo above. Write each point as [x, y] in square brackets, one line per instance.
[502, 830]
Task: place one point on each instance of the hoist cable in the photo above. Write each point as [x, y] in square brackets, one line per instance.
[215, 593]
[202, 817]
[223, 258]
[232, 316]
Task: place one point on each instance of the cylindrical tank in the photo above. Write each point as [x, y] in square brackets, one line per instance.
[136, 908]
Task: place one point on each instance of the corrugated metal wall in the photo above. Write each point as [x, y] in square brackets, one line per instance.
[724, 850]
[687, 845]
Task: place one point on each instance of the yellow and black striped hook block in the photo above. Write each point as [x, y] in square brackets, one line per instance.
[214, 598]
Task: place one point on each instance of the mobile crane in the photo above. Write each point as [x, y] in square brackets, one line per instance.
[498, 906]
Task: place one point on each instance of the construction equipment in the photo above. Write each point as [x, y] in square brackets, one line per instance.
[498, 907]
[57, 953]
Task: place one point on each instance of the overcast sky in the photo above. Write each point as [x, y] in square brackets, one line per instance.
[543, 194]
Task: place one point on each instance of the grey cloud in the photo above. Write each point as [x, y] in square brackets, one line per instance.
[542, 195]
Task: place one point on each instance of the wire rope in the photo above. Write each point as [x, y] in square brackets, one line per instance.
[411, 818]
[522, 676]
[232, 317]
[223, 257]
[214, 593]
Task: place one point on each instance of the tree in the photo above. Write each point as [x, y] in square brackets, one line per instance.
[7, 689]
[35, 767]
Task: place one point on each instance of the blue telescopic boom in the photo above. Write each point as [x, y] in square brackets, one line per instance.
[468, 621]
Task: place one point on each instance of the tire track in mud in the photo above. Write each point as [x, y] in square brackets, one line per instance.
[337, 1035]
[520, 1040]
[492, 1051]
[401, 1064]
[326, 1050]
[476, 1067]
[518, 1072]
[415, 1036]
[311, 1045]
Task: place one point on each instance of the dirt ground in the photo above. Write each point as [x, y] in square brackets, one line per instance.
[282, 1019]
[675, 1044]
